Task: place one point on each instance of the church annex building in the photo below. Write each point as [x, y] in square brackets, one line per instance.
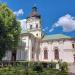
[34, 46]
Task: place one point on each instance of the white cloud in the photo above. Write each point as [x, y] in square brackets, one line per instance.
[44, 29]
[23, 24]
[67, 22]
[19, 12]
[51, 29]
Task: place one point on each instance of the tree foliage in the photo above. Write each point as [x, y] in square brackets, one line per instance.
[9, 30]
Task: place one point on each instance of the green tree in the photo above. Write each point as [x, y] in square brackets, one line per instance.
[9, 30]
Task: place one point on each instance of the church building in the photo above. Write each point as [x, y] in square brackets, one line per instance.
[34, 46]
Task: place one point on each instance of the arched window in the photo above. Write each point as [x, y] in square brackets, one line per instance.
[36, 25]
[37, 34]
[56, 53]
[45, 54]
[30, 26]
[73, 45]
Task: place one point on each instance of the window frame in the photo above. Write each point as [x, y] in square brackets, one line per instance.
[46, 53]
[31, 27]
[36, 25]
[56, 54]
[73, 45]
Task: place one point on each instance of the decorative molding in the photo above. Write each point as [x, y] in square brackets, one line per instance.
[69, 50]
[61, 42]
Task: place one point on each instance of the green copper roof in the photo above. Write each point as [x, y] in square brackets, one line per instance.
[56, 36]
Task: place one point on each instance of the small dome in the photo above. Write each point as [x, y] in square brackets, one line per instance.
[34, 13]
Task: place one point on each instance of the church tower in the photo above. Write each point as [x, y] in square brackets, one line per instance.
[33, 23]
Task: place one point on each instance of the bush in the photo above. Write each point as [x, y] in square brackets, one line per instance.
[34, 68]
[64, 66]
[37, 67]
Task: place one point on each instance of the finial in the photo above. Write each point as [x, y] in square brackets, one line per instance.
[34, 5]
[34, 8]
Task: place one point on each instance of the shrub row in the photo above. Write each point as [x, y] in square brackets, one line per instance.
[34, 68]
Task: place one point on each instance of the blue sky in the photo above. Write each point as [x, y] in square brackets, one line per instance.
[58, 16]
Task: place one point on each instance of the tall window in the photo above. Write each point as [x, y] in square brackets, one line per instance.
[73, 45]
[74, 58]
[56, 52]
[13, 58]
[37, 34]
[30, 26]
[36, 25]
[32, 53]
[45, 54]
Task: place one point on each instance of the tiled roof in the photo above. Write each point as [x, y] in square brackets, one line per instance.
[56, 36]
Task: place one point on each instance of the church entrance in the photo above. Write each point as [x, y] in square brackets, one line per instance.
[13, 58]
